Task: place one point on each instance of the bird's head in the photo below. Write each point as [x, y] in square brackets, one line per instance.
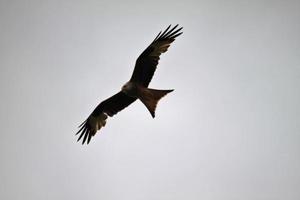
[127, 87]
[130, 89]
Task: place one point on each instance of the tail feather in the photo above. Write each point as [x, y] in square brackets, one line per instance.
[150, 98]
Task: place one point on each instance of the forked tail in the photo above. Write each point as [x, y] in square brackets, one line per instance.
[150, 98]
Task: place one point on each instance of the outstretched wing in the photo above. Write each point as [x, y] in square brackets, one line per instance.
[146, 63]
[96, 120]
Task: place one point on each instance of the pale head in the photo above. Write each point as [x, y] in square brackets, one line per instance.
[129, 88]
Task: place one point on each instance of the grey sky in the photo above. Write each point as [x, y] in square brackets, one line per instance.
[230, 130]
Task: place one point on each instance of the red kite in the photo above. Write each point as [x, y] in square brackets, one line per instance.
[135, 88]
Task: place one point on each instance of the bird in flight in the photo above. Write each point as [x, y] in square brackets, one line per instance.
[135, 88]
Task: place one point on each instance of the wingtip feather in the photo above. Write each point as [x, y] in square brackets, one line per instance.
[169, 33]
[157, 35]
[85, 137]
[164, 33]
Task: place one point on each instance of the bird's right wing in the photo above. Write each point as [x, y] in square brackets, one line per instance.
[96, 120]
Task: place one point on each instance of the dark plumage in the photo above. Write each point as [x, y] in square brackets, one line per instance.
[146, 63]
[135, 88]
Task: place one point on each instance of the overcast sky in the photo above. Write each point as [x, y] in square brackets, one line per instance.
[229, 131]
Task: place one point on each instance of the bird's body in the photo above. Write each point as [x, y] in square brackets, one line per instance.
[149, 97]
[135, 88]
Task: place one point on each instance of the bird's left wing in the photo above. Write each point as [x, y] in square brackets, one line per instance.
[96, 120]
[146, 63]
